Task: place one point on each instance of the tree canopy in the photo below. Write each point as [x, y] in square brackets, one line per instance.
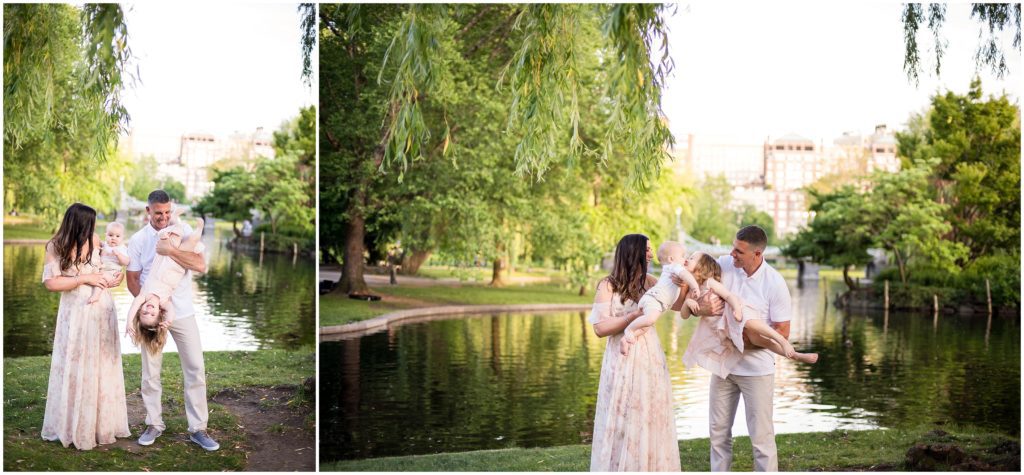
[64, 70]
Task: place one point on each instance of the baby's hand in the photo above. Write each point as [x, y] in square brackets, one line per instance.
[627, 341]
[693, 305]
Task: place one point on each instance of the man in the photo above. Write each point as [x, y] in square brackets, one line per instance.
[746, 274]
[142, 248]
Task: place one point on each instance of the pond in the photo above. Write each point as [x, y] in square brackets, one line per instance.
[530, 380]
[243, 302]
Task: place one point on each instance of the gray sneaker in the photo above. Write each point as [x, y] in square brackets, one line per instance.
[149, 435]
[204, 440]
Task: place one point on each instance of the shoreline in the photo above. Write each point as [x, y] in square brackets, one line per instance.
[915, 449]
[383, 322]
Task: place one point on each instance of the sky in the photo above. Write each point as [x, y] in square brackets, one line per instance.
[215, 68]
[756, 70]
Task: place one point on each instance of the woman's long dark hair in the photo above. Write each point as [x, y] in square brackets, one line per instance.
[629, 274]
[76, 230]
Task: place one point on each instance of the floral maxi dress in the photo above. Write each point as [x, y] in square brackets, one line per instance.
[634, 425]
[85, 400]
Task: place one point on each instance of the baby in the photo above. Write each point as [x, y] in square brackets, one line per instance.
[720, 346]
[151, 313]
[662, 295]
[113, 256]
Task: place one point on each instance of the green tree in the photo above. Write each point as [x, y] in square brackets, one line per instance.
[419, 70]
[231, 198]
[825, 240]
[749, 215]
[713, 218]
[63, 75]
[902, 216]
[977, 143]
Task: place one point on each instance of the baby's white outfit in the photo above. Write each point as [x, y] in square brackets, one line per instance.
[663, 294]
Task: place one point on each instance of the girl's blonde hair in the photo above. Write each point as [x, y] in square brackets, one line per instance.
[707, 268]
[152, 340]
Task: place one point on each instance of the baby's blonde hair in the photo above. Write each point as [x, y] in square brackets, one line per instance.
[150, 339]
[666, 247]
[115, 224]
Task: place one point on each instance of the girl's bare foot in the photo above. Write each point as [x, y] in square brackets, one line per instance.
[810, 358]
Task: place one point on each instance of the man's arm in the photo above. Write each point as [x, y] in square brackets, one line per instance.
[134, 287]
[782, 328]
[187, 259]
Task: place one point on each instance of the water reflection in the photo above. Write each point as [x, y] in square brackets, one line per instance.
[529, 380]
[242, 302]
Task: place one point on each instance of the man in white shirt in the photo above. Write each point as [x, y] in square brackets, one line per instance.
[746, 274]
[142, 248]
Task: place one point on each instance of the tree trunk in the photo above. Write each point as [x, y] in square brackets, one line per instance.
[583, 290]
[411, 261]
[850, 284]
[234, 227]
[352, 281]
[499, 267]
[901, 265]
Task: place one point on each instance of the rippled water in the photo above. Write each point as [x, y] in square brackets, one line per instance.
[242, 302]
[530, 380]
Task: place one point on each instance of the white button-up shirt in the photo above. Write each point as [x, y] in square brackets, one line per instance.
[142, 250]
[767, 293]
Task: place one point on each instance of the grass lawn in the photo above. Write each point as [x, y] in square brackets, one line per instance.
[24, 227]
[25, 383]
[338, 309]
[484, 274]
[829, 451]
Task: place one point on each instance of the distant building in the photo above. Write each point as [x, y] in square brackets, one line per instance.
[188, 158]
[771, 174]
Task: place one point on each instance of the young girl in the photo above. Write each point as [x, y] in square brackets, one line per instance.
[113, 256]
[151, 313]
[719, 347]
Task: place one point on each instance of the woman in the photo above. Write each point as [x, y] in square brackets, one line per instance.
[85, 401]
[634, 426]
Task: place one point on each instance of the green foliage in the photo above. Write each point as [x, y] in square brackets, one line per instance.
[826, 239]
[749, 215]
[63, 75]
[459, 193]
[902, 217]
[1002, 271]
[282, 189]
[977, 143]
[712, 218]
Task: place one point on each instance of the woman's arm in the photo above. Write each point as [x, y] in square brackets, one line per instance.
[63, 283]
[614, 326]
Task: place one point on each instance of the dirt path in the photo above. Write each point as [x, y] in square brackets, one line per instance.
[278, 436]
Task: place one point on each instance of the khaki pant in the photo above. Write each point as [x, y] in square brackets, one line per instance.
[186, 336]
[757, 403]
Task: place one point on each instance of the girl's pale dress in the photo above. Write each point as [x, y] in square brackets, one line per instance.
[717, 343]
[85, 400]
[634, 425]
